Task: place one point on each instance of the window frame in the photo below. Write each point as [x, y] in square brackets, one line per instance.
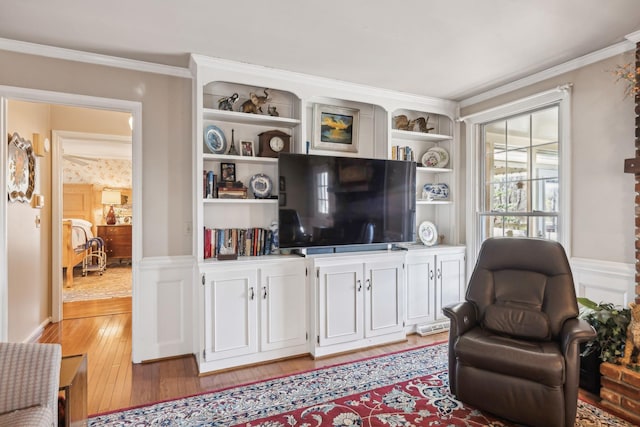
[560, 96]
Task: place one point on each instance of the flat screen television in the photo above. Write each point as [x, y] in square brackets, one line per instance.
[328, 201]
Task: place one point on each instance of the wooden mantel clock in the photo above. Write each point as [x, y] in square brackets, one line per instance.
[273, 142]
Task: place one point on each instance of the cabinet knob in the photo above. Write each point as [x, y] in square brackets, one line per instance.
[264, 292]
[439, 274]
[368, 284]
[251, 293]
[430, 274]
[359, 282]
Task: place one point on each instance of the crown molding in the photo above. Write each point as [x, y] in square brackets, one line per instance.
[566, 67]
[330, 87]
[92, 58]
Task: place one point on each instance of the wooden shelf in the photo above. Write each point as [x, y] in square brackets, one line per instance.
[249, 119]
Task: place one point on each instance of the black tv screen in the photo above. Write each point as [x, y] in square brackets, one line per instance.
[334, 201]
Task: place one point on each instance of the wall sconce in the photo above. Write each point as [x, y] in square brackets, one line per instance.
[40, 146]
[111, 197]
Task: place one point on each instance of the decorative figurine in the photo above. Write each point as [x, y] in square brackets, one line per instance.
[423, 124]
[226, 103]
[232, 150]
[401, 122]
[272, 111]
[255, 103]
[632, 344]
[275, 243]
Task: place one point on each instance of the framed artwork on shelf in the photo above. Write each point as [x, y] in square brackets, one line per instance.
[246, 148]
[21, 168]
[283, 184]
[335, 128]
[228, 172]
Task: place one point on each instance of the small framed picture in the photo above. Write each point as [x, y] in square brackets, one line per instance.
[283, 184]
[228, 172]
[335, 128]
[282, 199]
[246, 148]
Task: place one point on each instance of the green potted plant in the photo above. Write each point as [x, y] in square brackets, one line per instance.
[610, 322]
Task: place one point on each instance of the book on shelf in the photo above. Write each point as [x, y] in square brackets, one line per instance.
[209, 185]
[240, 241]
[213, 188]
[231, 190]
[232, 193]
[402, 153]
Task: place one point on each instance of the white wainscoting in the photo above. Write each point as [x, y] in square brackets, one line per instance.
[162, 311]
[604, 281]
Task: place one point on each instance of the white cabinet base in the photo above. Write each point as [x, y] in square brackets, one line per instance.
[435, 278]
[332, 350]
[253, 311]
[358, 301]
[207, 368]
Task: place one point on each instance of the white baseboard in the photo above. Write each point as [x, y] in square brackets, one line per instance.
[604, 281]
[37, 333]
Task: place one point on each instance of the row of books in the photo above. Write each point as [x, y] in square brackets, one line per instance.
[402, 153]
[212, 189]
[243, 242]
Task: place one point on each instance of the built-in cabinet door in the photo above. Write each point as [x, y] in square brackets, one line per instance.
[340, 290]
[231, 313]
[383, 285]
[283, 299]
[421, 271]
[450, 281]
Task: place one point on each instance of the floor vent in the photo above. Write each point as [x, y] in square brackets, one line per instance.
[432, 328]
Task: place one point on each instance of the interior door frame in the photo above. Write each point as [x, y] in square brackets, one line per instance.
[58, 138]
[59, 98]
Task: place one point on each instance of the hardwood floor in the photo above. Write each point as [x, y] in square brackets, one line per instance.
[102, 329]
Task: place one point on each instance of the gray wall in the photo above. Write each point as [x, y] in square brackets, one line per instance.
[602, 128]
[166, 132]
[166, 172]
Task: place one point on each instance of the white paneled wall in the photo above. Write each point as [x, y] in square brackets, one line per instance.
[162, 308]
[604, 281]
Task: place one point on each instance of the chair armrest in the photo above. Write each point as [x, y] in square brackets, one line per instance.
[574, 332]
[462, 315]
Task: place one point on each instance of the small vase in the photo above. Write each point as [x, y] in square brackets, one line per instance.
[111, 216]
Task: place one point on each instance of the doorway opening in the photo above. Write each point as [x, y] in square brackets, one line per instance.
[97, 212]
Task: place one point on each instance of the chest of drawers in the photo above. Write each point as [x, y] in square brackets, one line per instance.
[117, 239]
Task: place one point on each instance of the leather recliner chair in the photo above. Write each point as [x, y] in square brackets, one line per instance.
[514, 341]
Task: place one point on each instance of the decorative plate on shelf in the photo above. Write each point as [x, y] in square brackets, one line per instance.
[261, 186]
[435, 157]
[428, 233]
[215, 140]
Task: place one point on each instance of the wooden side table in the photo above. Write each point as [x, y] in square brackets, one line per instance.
[73, 383]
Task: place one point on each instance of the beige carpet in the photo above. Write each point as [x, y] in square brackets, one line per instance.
[113, 283]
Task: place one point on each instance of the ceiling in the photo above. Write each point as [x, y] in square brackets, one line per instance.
[449, 49]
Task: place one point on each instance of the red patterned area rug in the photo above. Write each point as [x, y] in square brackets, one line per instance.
[408, 388]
